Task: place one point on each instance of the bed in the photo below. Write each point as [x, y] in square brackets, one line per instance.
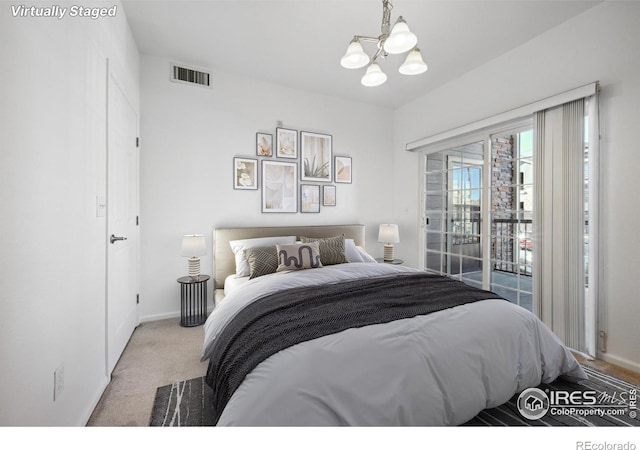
[358, 342]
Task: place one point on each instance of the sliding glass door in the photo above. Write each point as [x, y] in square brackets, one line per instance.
[478, 212]
[453, 212]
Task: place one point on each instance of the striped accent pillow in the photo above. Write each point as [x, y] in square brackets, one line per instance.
[262, 260]
[332, 250]
[298, 256]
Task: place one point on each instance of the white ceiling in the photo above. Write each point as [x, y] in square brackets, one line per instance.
[299, 43]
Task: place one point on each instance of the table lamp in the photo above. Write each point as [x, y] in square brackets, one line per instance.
[388, 233]
[194, 246]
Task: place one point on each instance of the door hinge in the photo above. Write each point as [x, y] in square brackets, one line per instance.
[137, 220]
[137, 299]
[137, 142]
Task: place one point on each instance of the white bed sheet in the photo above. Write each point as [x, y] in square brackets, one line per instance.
[438, 369]
[232, 282]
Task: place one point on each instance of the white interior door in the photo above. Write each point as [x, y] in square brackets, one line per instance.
[122, 218]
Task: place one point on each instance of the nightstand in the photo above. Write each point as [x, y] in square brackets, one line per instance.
[193, 300]
[395, 261]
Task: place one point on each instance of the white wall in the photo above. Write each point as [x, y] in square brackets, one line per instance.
[189, 136]
[601, 44]
[52, 167]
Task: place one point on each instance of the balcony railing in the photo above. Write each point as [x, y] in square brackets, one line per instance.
[511, 245]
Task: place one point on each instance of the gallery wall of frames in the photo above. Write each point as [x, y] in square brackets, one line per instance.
[295, 170]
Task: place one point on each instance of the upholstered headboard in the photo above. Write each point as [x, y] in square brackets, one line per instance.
[224, 263]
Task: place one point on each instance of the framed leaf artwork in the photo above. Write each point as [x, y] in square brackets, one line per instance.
[315, 156]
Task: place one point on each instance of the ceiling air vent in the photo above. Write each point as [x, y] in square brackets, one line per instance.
[187, 75]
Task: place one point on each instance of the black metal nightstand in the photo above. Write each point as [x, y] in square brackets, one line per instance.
[193, 300]
[395, 261]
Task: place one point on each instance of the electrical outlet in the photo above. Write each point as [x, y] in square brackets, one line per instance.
[58, 382]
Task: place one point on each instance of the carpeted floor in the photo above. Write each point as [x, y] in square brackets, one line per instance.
[187, 403]
[158, 353]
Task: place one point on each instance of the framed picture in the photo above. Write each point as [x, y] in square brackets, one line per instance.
[309, 198]
[328, 195]
[279, 186]
[343, 169]
[245, 173]
[264, 144]
[286, 143]
[315, 160]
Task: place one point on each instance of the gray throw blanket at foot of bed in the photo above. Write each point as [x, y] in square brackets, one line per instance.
[292, 316]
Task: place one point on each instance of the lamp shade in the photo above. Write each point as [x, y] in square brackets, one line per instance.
[374, 76]
[194, 245]
[355, 57]
[414, 64]
[388, 233]
[401, 38]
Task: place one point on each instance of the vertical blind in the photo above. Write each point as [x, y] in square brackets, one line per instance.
[559, 275]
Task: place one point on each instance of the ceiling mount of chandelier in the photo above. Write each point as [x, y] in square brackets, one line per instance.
[392, 41]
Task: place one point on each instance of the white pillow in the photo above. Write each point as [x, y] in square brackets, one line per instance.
[351, 251]
[355, 253]
[366, 257]
[239, 246]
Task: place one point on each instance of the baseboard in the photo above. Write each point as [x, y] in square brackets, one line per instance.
[621, 362]
[163, 316]
[96, 400]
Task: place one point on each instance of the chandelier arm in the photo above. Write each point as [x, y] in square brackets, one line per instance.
[379, 41]
[380, 53]
[366, 38]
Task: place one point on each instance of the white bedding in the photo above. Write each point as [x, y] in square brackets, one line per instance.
[232, 282]
[438, 369]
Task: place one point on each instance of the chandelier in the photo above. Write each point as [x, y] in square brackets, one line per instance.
[396, 40]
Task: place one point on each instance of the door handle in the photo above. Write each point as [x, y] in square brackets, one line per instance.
[114, 238]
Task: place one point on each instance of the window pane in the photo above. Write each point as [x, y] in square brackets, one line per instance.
[433, 262]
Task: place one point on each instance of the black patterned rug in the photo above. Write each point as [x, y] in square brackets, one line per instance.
[602, 400]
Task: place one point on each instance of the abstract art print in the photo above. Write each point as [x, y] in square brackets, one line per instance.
[245, 173]
[343, 169]
[286, 143]
[316, 151]
[279, 187]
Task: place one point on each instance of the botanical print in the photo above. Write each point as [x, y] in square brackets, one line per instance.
[264, 144]
[316, 156]
[245, 173]
[279, 186]
[286, 143]
[343, 169]
[309, 198]
[328, 195]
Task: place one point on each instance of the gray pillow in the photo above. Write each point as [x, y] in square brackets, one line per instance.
[262, 260]
[332, 250]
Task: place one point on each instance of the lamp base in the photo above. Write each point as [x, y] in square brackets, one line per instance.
[388, 252]
[194, 267]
